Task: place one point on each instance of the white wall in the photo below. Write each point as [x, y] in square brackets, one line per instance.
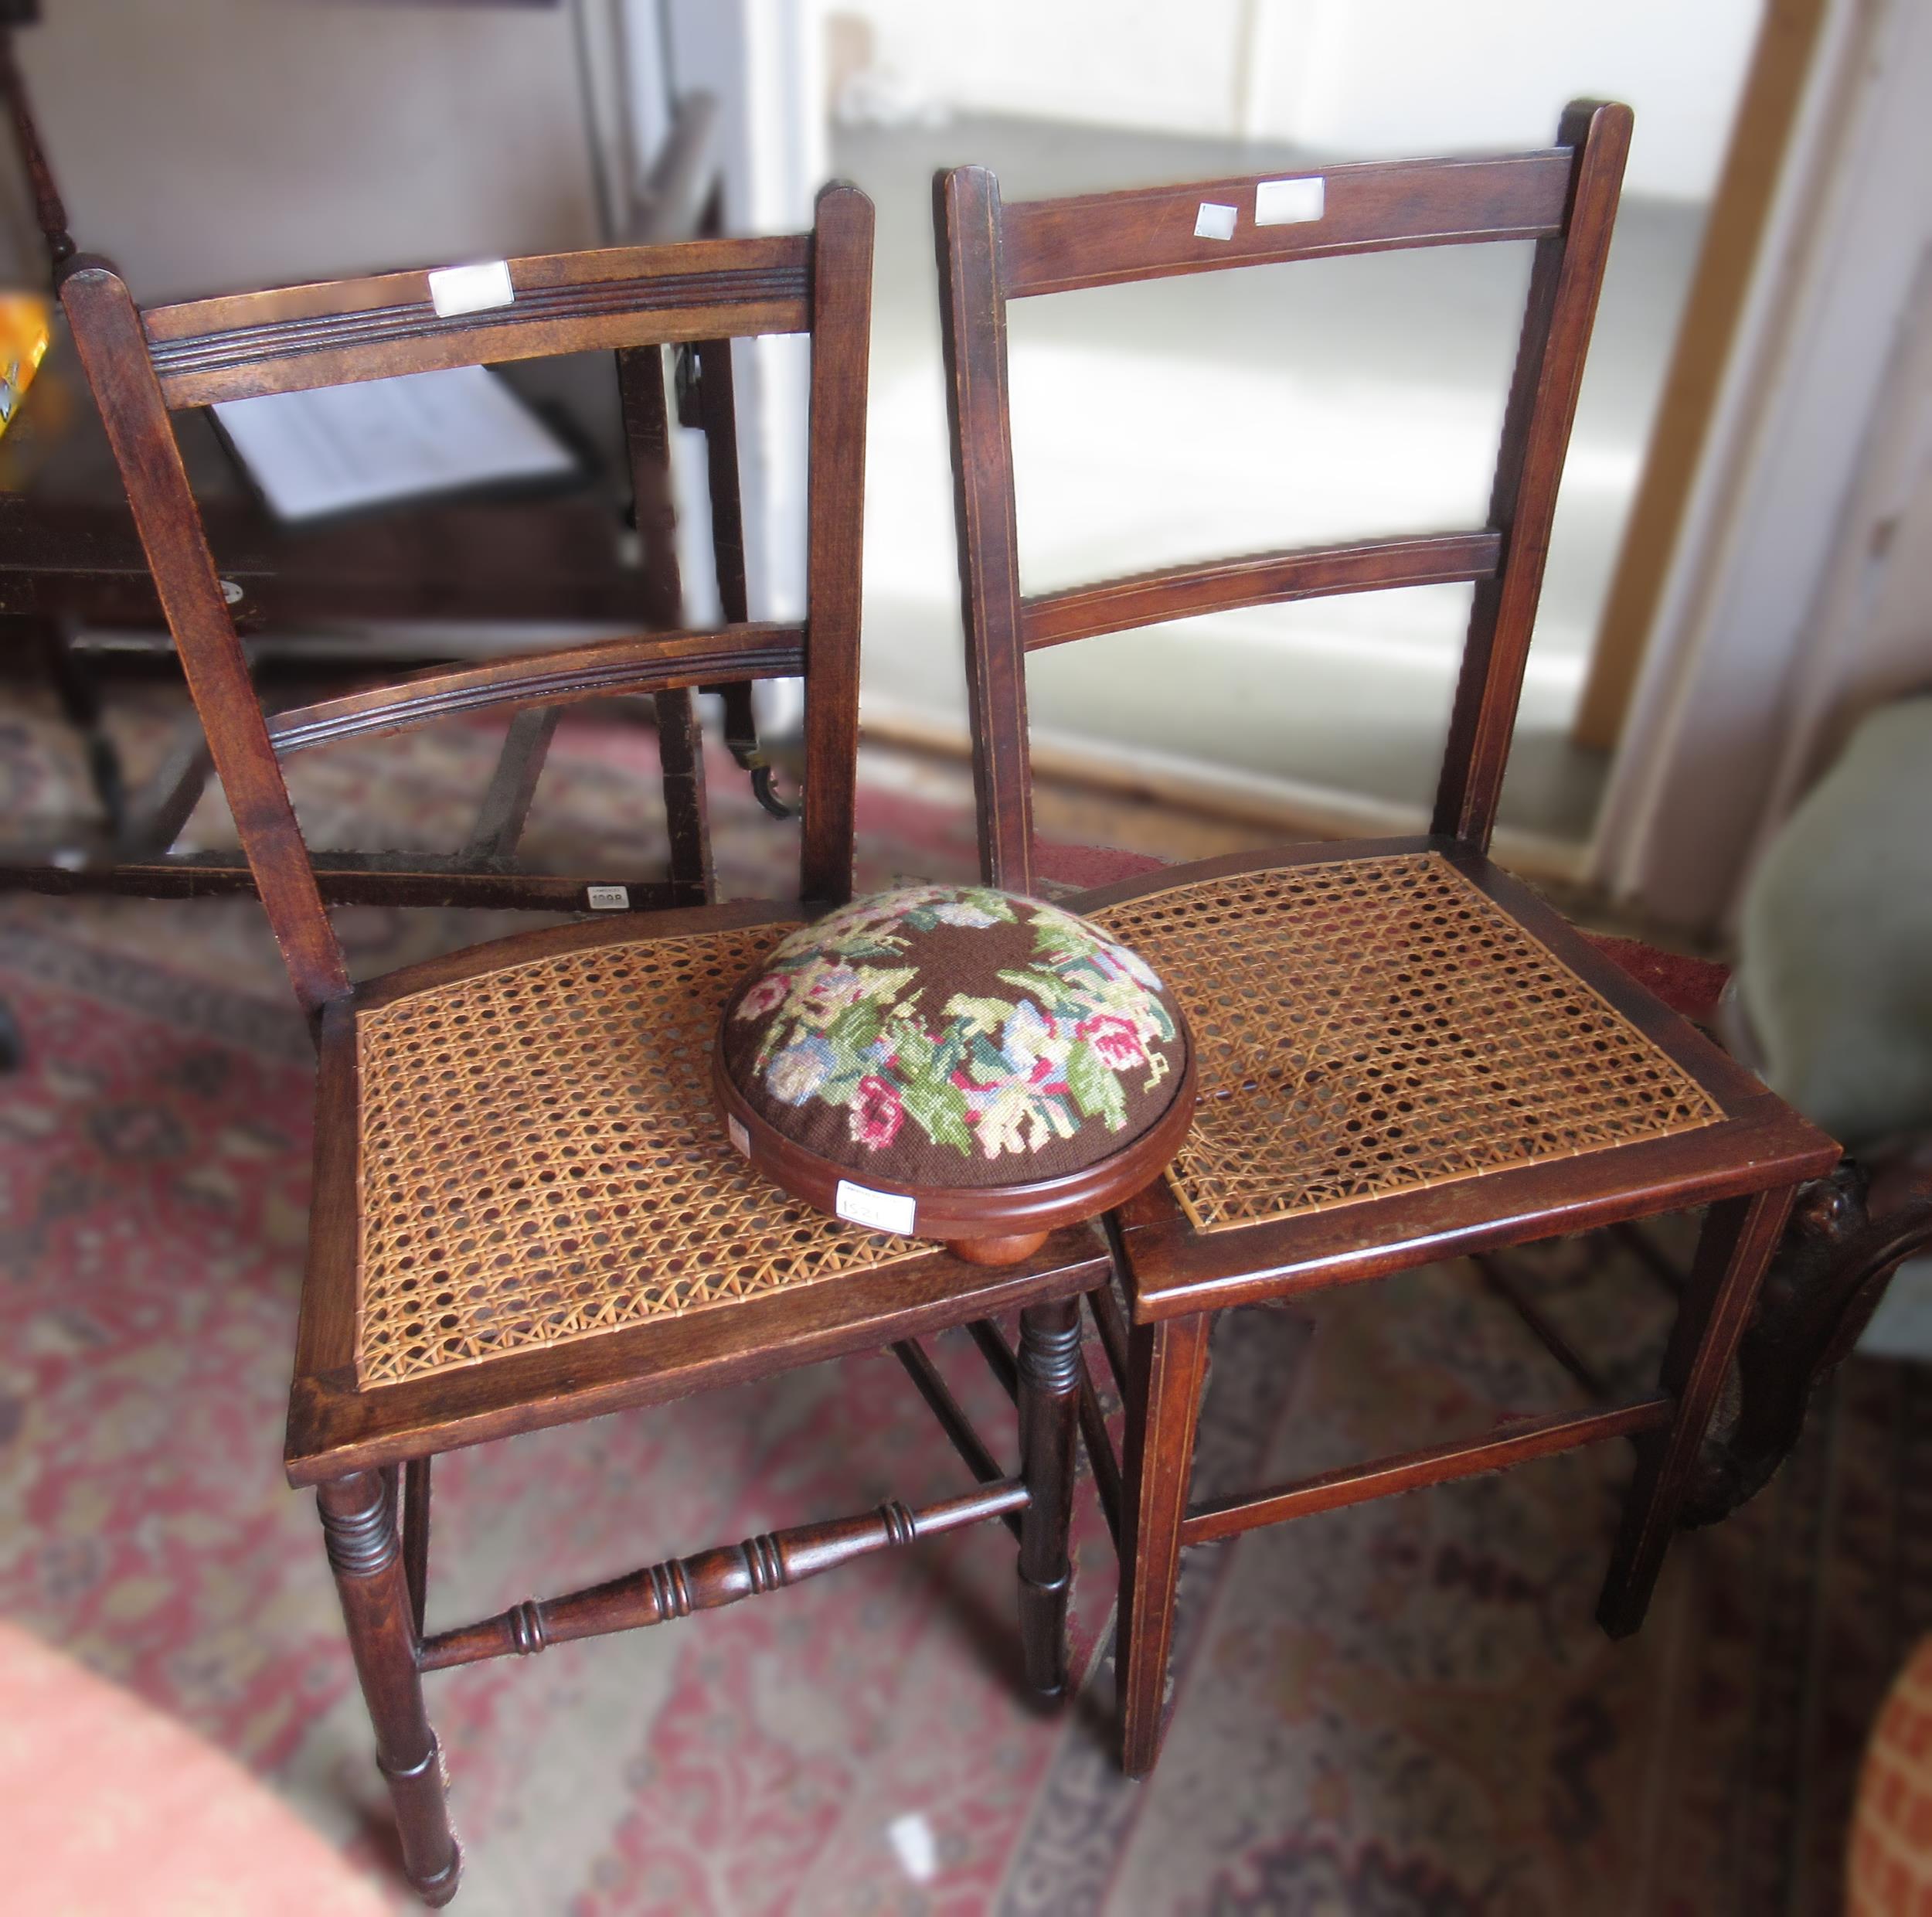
[1129, 62]
[1392, 76]
[1352, 78]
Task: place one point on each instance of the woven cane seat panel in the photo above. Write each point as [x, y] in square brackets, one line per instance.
[542, 1160]
[1378, 1025]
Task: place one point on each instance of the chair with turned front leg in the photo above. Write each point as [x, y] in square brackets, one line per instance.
[525, 1211]
[1403, 1054]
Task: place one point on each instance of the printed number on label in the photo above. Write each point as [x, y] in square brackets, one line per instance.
[877, 1210]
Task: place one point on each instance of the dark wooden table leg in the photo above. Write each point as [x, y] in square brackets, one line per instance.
[1167, 1363]
[1738, 1237]
[680, 754]
[80, 697]
[359, 1524]
[1049, 1385]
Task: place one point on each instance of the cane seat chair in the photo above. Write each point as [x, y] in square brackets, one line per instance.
[525, 1212]
[1404, 1055]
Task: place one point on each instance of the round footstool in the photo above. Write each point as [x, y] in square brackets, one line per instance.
[956, 1063]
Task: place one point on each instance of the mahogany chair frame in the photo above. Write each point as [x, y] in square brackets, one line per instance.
[368, 1448]
[61, 563]
[1744, 1167]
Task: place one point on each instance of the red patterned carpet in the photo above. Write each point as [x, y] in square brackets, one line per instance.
[1402, 1709]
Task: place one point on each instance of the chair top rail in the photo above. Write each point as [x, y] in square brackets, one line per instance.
[291, 338]
[1104, 239]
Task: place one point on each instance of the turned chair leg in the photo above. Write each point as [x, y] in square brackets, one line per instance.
[1167, 1364]
[1738, 1237]
[1049, 1396]
[358, 1526]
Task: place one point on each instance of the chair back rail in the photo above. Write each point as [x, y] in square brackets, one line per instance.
[650, 663]
[1102, 239]
[1260, 579]
[291, 338]
[1565, 200]
[626, 297]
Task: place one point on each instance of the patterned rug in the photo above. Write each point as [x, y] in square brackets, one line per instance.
[1403, 1709]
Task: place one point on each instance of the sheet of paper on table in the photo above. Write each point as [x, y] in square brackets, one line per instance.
[340, 448]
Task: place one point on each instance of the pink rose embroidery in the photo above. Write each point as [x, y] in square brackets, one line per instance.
[876, 1113]
[1114, 1038]
[767, 995]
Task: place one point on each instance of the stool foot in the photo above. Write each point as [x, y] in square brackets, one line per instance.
[1000, 1250]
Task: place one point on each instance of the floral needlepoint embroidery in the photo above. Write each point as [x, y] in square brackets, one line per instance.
[955, 1034]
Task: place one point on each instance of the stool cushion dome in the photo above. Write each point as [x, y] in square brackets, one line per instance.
[952, 1036]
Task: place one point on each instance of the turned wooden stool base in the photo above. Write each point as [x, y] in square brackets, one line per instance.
[989, 1225]
[1014, 1248]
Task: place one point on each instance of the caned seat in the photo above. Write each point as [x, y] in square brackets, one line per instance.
[1403, 1055]
[544, 1162]
[1369, 1026]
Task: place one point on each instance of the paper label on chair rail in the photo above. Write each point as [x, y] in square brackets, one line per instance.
[470, 289]
[739, 1136]
[1288, 202]
[876, 1210]
[1214, 222]
[610, 898]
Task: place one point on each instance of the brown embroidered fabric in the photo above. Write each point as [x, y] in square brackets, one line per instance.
[954, 1037]
[541, 1161]
[1376, 1025]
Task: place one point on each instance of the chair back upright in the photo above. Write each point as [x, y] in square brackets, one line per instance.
[1564, 198]
[143, 365]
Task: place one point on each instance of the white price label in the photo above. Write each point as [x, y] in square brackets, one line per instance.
[1289, 202]
[877, 1210]
[610, 898]
[471, 289]
[739, 1136]
[1214, 222]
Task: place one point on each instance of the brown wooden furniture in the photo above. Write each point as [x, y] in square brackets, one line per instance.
[958, 1063]
[70, 557]
[991, 1225]
[1404, 1055]
[525, 1212]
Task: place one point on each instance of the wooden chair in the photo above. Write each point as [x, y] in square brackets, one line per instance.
[1404, 1055]
[525, 1212]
